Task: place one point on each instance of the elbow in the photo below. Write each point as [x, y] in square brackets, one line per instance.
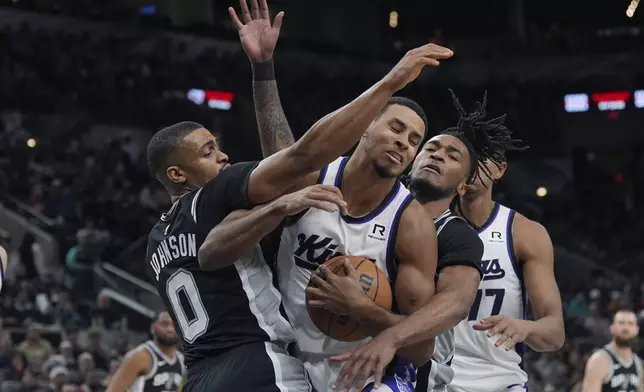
[424, 353]
[558, 340]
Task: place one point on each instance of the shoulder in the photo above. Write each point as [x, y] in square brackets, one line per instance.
[529, 237]
[598, 361]
[140, 356]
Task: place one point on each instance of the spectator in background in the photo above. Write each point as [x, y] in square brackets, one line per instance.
[597, 325]
[81, 258]
[65, 310]
[35, 348]
[58, 377]
[96, 348]
[85, 366]
[5, 351]
[105, 316]
[18, 367]
[27, 256]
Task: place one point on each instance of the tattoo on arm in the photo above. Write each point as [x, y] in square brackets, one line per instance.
[274, 131]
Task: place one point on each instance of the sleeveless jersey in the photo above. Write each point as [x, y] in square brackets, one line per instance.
[166, 374]
[478, 365]
[1, 275]
[623, 376]
[316, 236]
[214, 311]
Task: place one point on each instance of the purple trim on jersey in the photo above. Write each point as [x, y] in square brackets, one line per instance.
[488, 222]
[291, 220]
[524, 385]
[392, 268]
[1, 273]
[518, 270]
[381, 207]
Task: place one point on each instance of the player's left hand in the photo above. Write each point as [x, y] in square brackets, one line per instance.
[257, 35]
[369, 359]
[338, 294]
[512, 331]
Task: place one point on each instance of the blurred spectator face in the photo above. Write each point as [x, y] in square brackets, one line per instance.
[163, 330]
[59, 376]
[103, 301]
[398, 130]
[18, 362]
[624, 328]
[29, 378]
[85, 363]
[33, 333]
[198, 161]
[451, 170]
[67, 349]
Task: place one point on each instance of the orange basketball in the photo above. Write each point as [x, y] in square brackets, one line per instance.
[375, 285]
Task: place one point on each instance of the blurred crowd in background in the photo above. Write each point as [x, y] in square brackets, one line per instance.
[76, 106]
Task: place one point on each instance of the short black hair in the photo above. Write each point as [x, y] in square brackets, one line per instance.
[164, 143]
[485, 140]
[411, 104]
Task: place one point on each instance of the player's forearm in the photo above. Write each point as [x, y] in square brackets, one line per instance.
[374, 320]
[546, 334]
[337, 132]
[443, 311]
[274, 131]
[233, 237]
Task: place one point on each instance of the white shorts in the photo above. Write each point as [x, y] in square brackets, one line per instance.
[490, 388]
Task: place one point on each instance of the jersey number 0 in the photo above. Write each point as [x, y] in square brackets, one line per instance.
[187, 305]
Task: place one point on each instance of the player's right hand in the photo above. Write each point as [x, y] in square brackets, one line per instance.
[409, 67]
[323, 197]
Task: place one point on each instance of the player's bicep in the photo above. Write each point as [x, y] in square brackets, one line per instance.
[416, 251]
[596, 372]
[537, 255]
[134, 365]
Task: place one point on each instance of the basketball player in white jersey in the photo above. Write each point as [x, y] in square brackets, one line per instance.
[615, 367]
[3, 264]
[154, 366]
[518, 265]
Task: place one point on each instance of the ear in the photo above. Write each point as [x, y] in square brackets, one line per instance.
[502, 167]
[175, 174]
[462, 189]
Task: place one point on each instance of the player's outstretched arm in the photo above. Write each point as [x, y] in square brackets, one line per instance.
[338, 131]
[258, 38]
[596, 372]
[241, 230]
[136, 363]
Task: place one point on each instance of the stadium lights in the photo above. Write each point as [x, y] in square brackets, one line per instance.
[393, 19]
[31, 142]
[630, 11]
[542, 191]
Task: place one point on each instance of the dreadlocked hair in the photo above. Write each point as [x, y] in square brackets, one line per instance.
[489, 140]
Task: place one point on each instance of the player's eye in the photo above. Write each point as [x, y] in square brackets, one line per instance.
[453, 157]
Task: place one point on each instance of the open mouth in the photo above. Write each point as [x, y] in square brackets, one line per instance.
[394, 157]
[433, 168]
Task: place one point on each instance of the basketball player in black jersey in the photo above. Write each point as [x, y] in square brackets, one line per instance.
[221, 298]
[154, 366]
[615, 367]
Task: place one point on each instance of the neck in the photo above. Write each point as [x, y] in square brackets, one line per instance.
[436, 207]
[623, 352]
[477, 208]
[168, 351]
[363, 189]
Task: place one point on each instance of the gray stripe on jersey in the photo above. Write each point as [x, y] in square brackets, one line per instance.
[263, 298]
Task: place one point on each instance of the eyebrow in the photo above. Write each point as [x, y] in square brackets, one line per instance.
[403, 124]
[449, 147]
[210, 143]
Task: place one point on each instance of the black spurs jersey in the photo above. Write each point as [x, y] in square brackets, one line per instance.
[458, 244]
[622, 376]
[166, 374]
[214, 311]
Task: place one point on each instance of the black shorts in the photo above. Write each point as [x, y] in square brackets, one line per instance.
[256, 367]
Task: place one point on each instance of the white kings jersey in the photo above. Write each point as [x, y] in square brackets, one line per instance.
[478, 365]
[316, 236]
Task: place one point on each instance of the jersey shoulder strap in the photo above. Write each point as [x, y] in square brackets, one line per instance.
[153, 369]
[330, 173]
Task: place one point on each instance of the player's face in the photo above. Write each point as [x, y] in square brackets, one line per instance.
[624, 329]
[163, 330]
[198, 161]
[441, 169]
[393, 139]
[483, 182]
